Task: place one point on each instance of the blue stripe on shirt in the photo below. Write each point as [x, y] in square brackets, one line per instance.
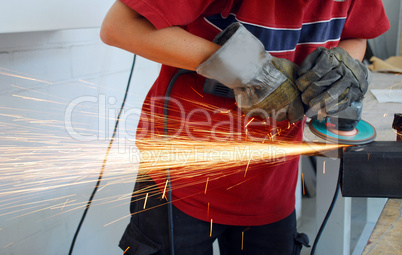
[277, 39]
[321, 32]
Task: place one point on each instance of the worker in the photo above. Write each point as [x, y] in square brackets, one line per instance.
[254, 48]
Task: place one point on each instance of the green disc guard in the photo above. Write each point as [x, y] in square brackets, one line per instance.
[365, 133]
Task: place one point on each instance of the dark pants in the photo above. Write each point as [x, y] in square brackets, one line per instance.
[147, 233]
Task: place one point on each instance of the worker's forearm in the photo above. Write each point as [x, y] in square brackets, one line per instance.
[126, 29]
[355, 47]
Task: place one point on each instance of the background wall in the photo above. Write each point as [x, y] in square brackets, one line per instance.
[45, 15]
[60, 92]
[388, 44]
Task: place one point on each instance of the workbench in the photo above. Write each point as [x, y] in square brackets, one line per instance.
[379, 234]
[386, 237]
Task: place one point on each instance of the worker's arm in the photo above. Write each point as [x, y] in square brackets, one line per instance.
[242, 64]
[126, 29]
[356, 47]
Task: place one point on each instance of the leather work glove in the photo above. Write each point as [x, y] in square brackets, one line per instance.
[263, 85]
[333, 81]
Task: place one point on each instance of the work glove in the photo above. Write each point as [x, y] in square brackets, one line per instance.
[263, 85]
[333, 82]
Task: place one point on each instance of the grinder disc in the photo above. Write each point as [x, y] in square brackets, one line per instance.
[365, 133]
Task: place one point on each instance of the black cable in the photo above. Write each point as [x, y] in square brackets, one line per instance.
[313, 161]
[331, 207]
[166, 133]
[104, 161]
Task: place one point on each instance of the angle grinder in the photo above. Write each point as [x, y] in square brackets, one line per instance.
[344, 127]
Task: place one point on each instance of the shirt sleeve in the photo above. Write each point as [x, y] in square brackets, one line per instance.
[166, 13]
[366, 19]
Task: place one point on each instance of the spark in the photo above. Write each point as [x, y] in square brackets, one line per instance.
[92, 85]
[242, 240]
[323, 166]
[145, 202]
[61, 209]
[103, 187]
[248, 163]
[23, 77]
[303, 183]
[265, 138]
[117, 220]
[206, 186]
[164, 190]
[36, 162]
[7, 245]
[126, 250]
[38, 99]
[196, 91]
[208, 210]
[210, 232]
[248, 123]
[225, 111]
[35, 91]
[238, 184]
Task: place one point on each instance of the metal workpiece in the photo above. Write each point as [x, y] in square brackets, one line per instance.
[372, 170]
[397, 126]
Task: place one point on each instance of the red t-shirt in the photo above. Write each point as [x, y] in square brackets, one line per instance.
[253, 193]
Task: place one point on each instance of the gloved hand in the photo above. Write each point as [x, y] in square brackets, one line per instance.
[263, 85]
[332, 80]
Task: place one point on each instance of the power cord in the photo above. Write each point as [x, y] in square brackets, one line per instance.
[104, 161]
[331, 207]
[166, 134]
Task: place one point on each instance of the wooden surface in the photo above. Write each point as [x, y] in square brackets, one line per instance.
[387, 235]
